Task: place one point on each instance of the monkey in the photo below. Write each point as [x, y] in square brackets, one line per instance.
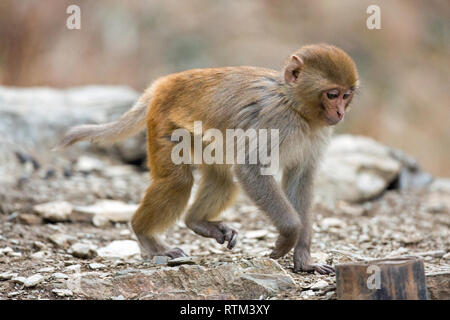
[303, 101]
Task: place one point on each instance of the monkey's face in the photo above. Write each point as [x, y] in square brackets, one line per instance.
[334, 102]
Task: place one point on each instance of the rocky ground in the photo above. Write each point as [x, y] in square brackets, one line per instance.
[64, 230]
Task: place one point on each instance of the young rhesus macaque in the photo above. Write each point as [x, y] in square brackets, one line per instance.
[303, 102]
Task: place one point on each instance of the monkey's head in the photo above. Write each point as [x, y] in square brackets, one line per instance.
[323, 79]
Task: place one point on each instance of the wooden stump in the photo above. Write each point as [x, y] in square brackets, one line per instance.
[385, 279]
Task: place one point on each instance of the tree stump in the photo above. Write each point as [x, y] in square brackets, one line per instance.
[385, 279]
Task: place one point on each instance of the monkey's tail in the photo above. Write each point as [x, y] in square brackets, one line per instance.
[129, 124]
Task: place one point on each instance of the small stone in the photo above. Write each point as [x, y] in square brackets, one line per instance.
[55, 211]
[87, 164]
[46, 270]
[307, 293]
[7, 276]
[256, 234]
[331, 222]
[20, 280]
[180, 261]
[75, 268]
[321, 284]
[63, 292]
[33, 281]
[15, 254]
[13, 294]
[61, 240]
[434, 254]
[160, 260]
[446, 256]
[83, 250]
[111, 210]
[59, 276]
[97, 266]
[38, 245]
[120, 249]
[29, 219]
[125, 232]
[6, 251]
[40, 255]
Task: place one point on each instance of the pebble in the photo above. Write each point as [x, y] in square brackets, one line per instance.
[321, 284]
[120, 249]
[63, 292]
[331, 222]
[6, 251]
[61, 240]
[55, 211]
[256, 234]
[73, 268]
[40, 255]
[7, 276]
[160, 260]
[59, 276]
[96, 266]
[33, 281]
[180, 261]
[83, 250]
[46, 270]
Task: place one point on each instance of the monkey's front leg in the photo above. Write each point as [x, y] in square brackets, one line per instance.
[298, 184]
[268, 196]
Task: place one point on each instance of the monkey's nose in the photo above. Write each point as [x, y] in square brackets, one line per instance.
[340, 114]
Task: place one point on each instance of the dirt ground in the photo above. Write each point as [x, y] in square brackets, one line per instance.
[414, 222]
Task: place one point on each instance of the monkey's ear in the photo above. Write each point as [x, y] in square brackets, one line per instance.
[292, 70]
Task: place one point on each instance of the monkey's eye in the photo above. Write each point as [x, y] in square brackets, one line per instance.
[346, 95]
[333, 94]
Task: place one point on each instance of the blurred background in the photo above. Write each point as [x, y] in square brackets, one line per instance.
[404, 67]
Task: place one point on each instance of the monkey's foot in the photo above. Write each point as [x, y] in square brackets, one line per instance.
[174, 253]
[216, 230]
[283, 246]
[151, 246]
[320, 268]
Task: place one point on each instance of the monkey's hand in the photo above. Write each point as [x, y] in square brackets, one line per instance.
[302, 263]
[215, 229]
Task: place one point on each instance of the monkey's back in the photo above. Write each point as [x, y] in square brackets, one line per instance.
[213, 95]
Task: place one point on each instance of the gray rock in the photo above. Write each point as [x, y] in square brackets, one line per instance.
[60, 276]
[7, 276]
[355, 168]
[33, 281]
[61, 240]
[230, 280]
[181, 260]
[110, 210]
[321, 284]
[97, 266]
[160, 260]
[55, 211]
[28, 109]
[63, 292]
[83, 250]
[120, 249]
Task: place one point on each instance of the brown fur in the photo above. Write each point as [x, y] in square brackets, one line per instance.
[295, 101]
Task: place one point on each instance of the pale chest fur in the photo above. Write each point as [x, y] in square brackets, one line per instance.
[303, 148]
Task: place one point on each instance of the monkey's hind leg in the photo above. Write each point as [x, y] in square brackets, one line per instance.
[216, 192]
[163, 203]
